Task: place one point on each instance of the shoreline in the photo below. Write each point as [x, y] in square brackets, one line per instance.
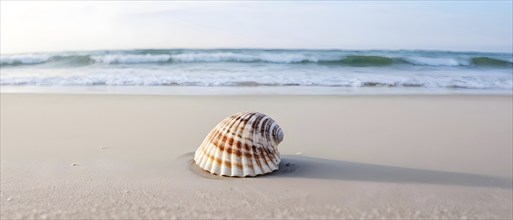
[246, 90]
[111, 156]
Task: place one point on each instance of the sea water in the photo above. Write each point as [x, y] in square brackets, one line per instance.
[298, 70]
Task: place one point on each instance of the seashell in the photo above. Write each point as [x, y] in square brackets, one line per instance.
[244, 144]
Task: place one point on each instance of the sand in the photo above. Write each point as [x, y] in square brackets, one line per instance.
[130, 157]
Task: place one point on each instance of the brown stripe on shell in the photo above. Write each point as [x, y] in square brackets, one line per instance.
[263, 155]
[221, 138]
[269, 155]
[257, 157]
[216, 132]
[234, 147]
[242, 119]
[230, 150]
[261, 124]
[220, 141]
[240, 143]
[213, 132]
[266, 125]
[257, 150]
[219, 161]
[220, 132]
[254, 148]
[256, 123]
[221, 125]
[247, 149]
[234, 151]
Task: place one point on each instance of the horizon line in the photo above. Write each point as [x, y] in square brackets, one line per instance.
[259, 48]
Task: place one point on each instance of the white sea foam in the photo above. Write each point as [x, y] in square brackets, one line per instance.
[272, 77]
[211, 57]
[24, 59]
[241, 57]
[131, 58]
[430, 61]
[484, 71]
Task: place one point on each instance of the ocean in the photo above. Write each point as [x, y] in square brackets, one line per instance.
[390, 70]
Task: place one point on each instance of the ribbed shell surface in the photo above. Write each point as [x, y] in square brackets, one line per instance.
[244, 144]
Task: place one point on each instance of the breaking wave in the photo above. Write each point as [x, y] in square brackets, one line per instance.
[342, 58]
[245, 67]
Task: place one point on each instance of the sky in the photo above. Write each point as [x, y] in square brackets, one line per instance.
[44, 26]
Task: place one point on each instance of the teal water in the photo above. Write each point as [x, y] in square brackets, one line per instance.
[259, 67]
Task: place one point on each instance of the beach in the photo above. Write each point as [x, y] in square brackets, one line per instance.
[105, 156]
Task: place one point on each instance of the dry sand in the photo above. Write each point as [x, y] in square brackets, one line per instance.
[130, 157]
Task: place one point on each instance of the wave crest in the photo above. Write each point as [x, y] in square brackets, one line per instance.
[238, 57]
[342, 58]
[130, 58]
[430, 61]
[24, 59]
